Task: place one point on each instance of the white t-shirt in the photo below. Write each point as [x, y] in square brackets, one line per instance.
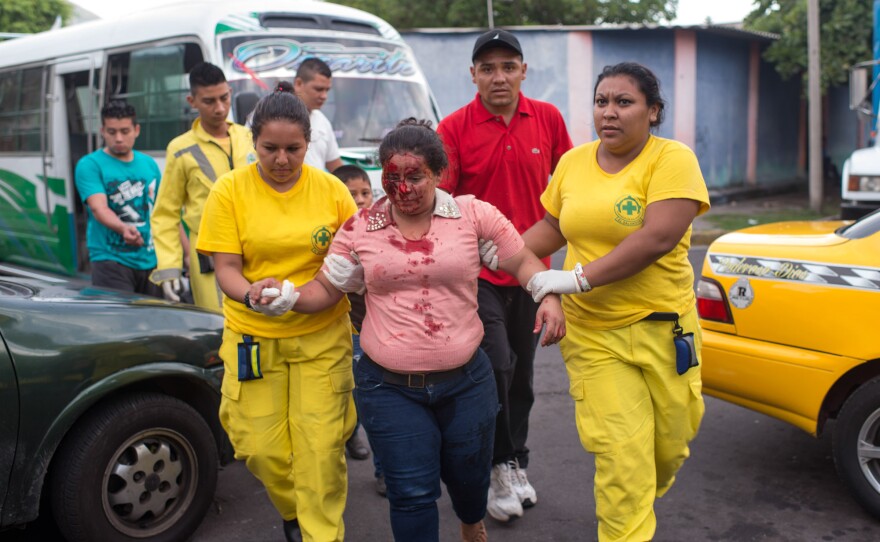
[323, 147]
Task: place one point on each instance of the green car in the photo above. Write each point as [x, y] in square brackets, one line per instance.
[109, 411]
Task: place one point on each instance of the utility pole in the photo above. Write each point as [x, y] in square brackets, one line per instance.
[814, 97]
[491, 15]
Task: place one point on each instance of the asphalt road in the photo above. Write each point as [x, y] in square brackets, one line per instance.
[749, 478]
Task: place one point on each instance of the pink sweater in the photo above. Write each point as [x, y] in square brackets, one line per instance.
[422, 295]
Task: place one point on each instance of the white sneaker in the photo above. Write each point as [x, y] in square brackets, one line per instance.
[504, 504]
[524, 490]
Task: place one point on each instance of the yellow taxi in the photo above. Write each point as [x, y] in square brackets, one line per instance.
[791, 328]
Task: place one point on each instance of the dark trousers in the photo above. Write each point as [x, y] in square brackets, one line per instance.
[110, 274]
[508, 315]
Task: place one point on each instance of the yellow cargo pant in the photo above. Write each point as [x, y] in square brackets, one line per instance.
[636, 414]
[290, 427]
[205, 292]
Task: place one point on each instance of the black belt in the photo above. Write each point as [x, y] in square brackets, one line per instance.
[418, 380]
[662, 316]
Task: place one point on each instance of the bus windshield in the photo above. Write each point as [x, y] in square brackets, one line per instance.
[362, 110]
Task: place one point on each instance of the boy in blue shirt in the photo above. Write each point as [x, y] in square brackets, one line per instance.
[118, 185]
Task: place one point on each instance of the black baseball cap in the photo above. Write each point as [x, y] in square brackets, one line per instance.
[496, 38]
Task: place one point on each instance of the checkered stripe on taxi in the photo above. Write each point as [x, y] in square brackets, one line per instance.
[864, 278]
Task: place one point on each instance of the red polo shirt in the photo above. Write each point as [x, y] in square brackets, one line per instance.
[507, 165]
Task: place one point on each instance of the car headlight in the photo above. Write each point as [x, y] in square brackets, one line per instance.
[863, 183]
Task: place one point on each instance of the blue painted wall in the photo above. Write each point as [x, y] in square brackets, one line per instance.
[779, 110]
[655, 49]
[722, 109]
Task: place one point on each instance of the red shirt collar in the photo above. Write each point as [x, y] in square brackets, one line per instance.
[523, 107]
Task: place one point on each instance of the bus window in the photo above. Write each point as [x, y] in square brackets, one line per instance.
[20, 107]
[154, 81]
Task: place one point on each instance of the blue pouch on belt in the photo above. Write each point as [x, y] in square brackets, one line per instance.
[685, 351]
[249, 359]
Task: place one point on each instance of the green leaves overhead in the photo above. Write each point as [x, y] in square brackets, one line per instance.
[844, 34]
[472, 13]
[29, 16]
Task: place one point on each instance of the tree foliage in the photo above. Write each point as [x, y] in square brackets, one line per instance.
[844, 36]
[472, 13]
[29, 16]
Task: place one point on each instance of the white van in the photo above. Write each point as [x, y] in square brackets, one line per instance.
[52, 86]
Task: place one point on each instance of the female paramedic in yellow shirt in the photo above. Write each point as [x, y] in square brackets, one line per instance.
[287, 403]
[623, 205]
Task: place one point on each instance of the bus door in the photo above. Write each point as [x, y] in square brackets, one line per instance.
[75, 127]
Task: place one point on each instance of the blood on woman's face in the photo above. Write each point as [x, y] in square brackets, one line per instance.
[409, 183]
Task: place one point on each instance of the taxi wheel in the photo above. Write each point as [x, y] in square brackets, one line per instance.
[142, 468]
[856, 445]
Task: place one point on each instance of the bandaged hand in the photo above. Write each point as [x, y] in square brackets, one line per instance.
[489, 254]
[552, 282]
[283, 302]
[344, 275]
[172, 289]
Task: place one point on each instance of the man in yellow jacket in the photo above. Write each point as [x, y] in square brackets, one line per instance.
[194, 161]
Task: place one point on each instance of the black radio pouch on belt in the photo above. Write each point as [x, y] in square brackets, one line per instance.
[206, 263]
[249, 359]
[685, 350]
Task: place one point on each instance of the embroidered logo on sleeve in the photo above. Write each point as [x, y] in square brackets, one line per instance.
[321, 238]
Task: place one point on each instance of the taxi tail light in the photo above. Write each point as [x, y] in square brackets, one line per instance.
[712, 303]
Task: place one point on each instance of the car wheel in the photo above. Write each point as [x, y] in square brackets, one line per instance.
[856, 445]
[143, 468]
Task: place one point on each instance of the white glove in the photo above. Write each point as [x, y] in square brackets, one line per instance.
[346, 276]
[489, 254]
[282, 303]
[552, 282]
[171, 289]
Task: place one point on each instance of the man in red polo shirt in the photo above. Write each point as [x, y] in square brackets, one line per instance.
[503, 148]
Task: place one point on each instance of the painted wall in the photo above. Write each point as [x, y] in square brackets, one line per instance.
[721, 109]
[722, 98]
[778, 128]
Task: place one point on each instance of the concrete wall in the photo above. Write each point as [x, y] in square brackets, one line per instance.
[723, 99]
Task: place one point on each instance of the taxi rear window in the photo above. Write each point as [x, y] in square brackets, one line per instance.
[864, 227]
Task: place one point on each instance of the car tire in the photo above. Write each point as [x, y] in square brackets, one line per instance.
[856, 445]
[142, 468]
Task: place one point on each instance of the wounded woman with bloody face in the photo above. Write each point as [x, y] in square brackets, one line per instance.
[425, 390]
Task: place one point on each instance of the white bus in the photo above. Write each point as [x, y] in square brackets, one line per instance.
[52, 86]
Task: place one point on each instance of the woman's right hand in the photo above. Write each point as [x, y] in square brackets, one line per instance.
[552, 281]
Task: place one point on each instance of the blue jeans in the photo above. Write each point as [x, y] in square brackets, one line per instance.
[443, 431]
[356, 353]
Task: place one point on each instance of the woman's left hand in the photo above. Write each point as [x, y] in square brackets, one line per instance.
[551, 318]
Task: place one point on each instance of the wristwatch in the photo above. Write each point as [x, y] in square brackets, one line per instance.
[247, 301]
